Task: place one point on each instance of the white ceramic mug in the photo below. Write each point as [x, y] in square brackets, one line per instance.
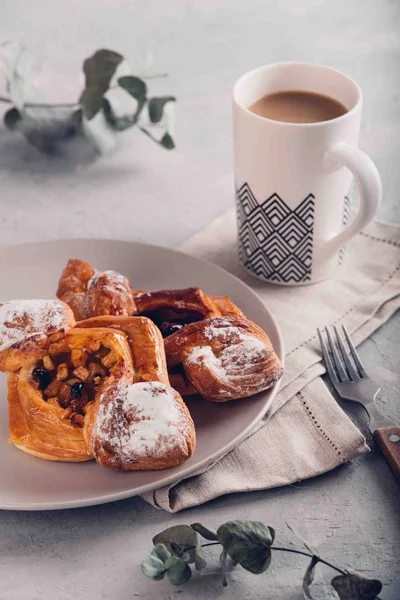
[293, 179]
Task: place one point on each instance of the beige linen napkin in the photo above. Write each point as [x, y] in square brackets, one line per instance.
[305, 433]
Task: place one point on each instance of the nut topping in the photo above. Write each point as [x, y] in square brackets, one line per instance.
[48, 363]
[82, 373]
[109, 360]
[70, 378]
[78, 357]
[62, 371]
[52, 390]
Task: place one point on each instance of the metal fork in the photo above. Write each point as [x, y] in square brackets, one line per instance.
[351, 381]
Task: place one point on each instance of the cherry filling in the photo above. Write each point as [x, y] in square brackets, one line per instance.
[167, 328]
[70, 379]
[170, 321]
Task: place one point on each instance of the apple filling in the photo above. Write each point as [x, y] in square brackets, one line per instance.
[70, 377]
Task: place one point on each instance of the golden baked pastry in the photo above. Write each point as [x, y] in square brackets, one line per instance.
[226, 307]
[24, 329]
[53, 401]
[224, 358]
[172, 309]
[155, 428]
[94, 392]
[91, 293]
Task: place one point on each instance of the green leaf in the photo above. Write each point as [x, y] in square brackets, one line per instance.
[153, 567]
[44, 127]
[309, 577]
[178, 539]
[11, 118]
[99, 70]
[167, 141]
[156, 107]
[178, 572]
[199, 560]
[99, 133]
[119, 123]
[135, 87]
[354, 587]
[247, 543]
[161, 552]
[222, 560]
[205, 532]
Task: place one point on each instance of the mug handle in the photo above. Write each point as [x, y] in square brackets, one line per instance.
[369, 185]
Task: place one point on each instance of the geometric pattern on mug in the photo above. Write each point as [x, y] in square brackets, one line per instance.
[275, 242]
[345, 220]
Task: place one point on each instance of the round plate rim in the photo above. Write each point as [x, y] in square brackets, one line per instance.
[103, 499]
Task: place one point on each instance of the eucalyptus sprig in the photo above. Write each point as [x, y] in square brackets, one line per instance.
[249, 544]
[112, 100]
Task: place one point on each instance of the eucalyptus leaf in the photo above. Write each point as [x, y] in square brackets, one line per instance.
[205, 532]
[199, 560]
[223, 560]
[186, 557]
[309, 577]
[247, 543]
[99, 70]
[178, 539]
[119, 113]
[178, 571]
[161, 552]
[12, 118]
[167, 141]
[354, 587]
[99, 133]
[156, 107]
[137, 88]
[43, 127]
[153, 567]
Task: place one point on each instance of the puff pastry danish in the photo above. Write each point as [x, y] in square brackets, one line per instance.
[24, 329]
[172, 310]
[145, 425]
[90, 292]
[97, 391]
[224, 357]
[53, 402]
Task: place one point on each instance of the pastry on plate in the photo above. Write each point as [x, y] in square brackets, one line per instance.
[158, 427]
[224, 358]
[172, 310]
[90, 293]
[24, 329]
[96, 392]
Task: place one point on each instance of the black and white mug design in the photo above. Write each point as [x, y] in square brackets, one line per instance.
[291, 184]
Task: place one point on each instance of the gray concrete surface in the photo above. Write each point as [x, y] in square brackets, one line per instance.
[141, 192]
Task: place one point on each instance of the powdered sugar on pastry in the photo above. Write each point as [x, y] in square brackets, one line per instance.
[234, 360]
[145, 420]
[23, 319]
[111, 280]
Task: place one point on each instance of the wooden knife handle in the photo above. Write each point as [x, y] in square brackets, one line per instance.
[388, 439]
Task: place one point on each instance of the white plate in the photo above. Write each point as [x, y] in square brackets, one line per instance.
[32, 271]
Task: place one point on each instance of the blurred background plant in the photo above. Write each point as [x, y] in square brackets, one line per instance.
[112, 100]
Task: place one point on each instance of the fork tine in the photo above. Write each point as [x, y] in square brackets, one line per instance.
[354, 353]
[349, 365]
[343, 377]
[327, 359]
